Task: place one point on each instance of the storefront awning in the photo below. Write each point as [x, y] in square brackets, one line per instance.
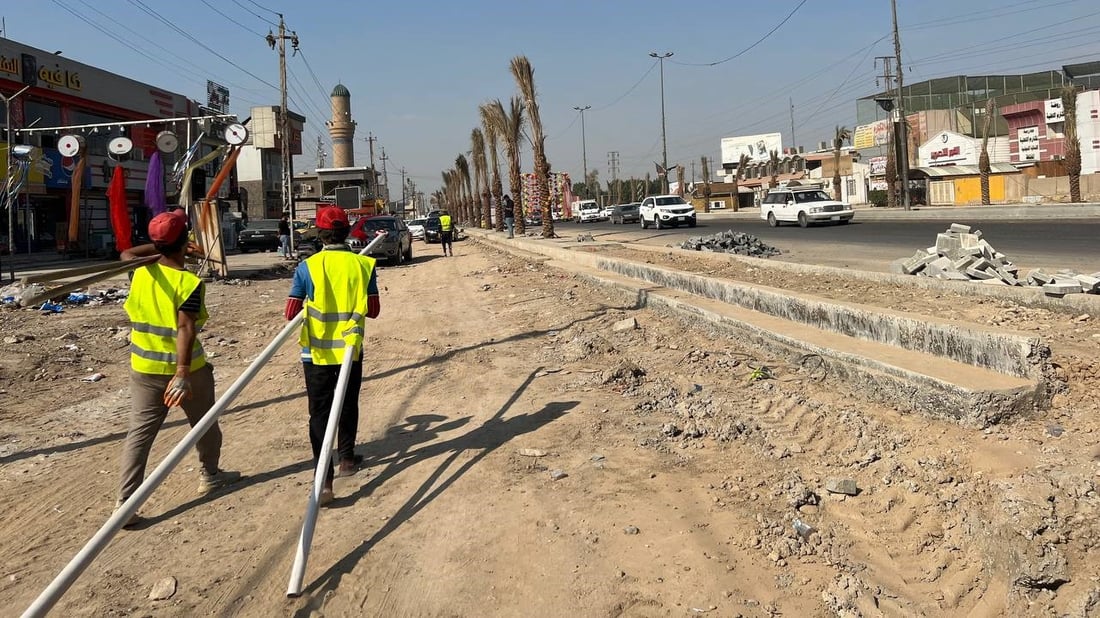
[947, 171]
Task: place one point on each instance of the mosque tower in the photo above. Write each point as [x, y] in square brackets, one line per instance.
[342, 128]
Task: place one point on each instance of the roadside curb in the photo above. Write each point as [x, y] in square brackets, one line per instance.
[954, 213]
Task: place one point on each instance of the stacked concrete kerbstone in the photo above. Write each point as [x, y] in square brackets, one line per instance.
[963, 255]
[730, 242]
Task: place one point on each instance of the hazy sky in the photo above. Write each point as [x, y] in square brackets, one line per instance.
[417, 70]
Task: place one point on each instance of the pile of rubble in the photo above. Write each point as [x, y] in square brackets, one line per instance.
[730, 242]
[963, 255]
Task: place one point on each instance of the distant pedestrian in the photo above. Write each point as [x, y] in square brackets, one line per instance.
[284, 236]
[509, 208]
[447, 234]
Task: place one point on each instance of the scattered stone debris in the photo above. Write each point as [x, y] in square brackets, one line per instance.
[532, 452]
[729, 241]
[631, 530]
[624, 325]
[557, 475]
[586, 238]
[961, 254]
[842, 486]
[163, 590]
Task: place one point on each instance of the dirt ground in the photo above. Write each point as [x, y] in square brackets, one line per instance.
[526, 457]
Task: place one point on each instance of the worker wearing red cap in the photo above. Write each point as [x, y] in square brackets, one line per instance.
[168, 366]
[338, 289]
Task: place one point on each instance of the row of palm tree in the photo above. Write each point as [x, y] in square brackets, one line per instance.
[474, 184]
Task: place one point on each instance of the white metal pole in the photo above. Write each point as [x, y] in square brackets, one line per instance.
[298, 572]
[53, 593]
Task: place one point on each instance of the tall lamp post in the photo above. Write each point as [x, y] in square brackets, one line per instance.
[664, 143]
[10, 177]
[584, 149]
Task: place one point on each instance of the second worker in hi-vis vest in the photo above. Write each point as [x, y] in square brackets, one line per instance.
[338, 289]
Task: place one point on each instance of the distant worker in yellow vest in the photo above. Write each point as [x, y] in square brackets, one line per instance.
[168, 366]
[338, 289]
[447, 233]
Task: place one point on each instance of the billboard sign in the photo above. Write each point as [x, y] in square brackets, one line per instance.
[871, 135]
[877, 165]
[755, 147]
[1054, 112]
[1029, 144]
[349, 198]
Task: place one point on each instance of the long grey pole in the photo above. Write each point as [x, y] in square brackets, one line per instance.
[65, 579]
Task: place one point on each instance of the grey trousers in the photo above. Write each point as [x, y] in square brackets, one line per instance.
[147, 414]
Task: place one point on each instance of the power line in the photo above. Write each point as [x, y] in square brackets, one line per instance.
[258, 16]
[219, 12]
[141, 5]
[627, 93]
[984, 15]
[302, 53]
[747, 49]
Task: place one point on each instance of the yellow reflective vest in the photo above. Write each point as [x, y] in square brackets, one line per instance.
[156, 294]
[445, 223]
[336, 314]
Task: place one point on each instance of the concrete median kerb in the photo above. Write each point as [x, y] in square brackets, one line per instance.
[898, 361]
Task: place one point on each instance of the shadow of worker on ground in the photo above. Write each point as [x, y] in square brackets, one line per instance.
[482, 440]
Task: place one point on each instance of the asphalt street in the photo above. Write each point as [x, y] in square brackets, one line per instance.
[872, 245]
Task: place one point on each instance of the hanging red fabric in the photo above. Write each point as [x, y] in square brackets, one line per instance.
[120, 211]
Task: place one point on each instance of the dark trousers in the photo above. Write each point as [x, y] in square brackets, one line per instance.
[446, 238]
[320, 389]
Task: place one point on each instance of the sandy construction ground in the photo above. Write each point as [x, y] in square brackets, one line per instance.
[525, 457]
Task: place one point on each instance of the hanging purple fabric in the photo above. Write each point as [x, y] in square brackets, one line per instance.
[155, 199]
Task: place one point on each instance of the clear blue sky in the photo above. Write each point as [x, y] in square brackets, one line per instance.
[417, 70]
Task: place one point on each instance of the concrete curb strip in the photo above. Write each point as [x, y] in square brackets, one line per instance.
[1002, 352]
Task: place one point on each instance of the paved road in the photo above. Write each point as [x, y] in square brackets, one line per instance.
[872, 245]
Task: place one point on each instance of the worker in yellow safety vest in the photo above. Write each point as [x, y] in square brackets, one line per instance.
[168, 366]
[338, 289]
[446, 235]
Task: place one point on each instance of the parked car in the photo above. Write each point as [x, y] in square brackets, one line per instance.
[416, 228]
[587, 211]
[605, 214]
[624, 213]
[396, 248]
[663, 211]
[259, 235]
[805, 205]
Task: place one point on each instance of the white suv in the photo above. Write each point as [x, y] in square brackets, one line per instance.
[666, 211]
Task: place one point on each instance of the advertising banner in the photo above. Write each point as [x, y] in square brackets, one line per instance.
[756, 147]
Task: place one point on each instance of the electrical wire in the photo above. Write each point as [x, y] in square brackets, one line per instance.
[632, 88]
[219, 12]
[144, 8]
[302, 53]
[750, 47]
[984, 15]
[258, 16]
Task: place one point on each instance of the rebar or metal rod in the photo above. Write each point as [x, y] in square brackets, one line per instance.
[103, 536]
[56, 275]
[116, 270]
[305, 540]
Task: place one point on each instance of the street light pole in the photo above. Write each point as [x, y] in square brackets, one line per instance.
[664, 142]
[10, 177]
[584, 149]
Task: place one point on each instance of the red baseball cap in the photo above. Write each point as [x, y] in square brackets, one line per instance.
[167, 227]
[331, 218]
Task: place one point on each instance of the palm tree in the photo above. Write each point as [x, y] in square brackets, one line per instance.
[510, 130]
[842, 135]
[742, 169]
[773, 165]
[1072, 141]
[462, 166]
[983, 159]
[481, 178]
[524, 75]
[490, 119]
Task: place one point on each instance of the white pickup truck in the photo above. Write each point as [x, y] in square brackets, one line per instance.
[587, 211]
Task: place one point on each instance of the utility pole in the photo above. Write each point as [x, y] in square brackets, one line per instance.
[385, 179]
[794, 144]
[403, 194]
[374, 177]
[664, 141]
[903, 128]
[9, 195]
[613, 171]
[584, 150]
[320, 152]
[284, 117]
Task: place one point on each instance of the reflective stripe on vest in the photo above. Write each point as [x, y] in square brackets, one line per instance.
[156, 294]
[336, 313]
[445, 223]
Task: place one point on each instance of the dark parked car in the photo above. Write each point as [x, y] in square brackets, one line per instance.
[624, 213]
[433, 231]
[396, 248]
[259, 235]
